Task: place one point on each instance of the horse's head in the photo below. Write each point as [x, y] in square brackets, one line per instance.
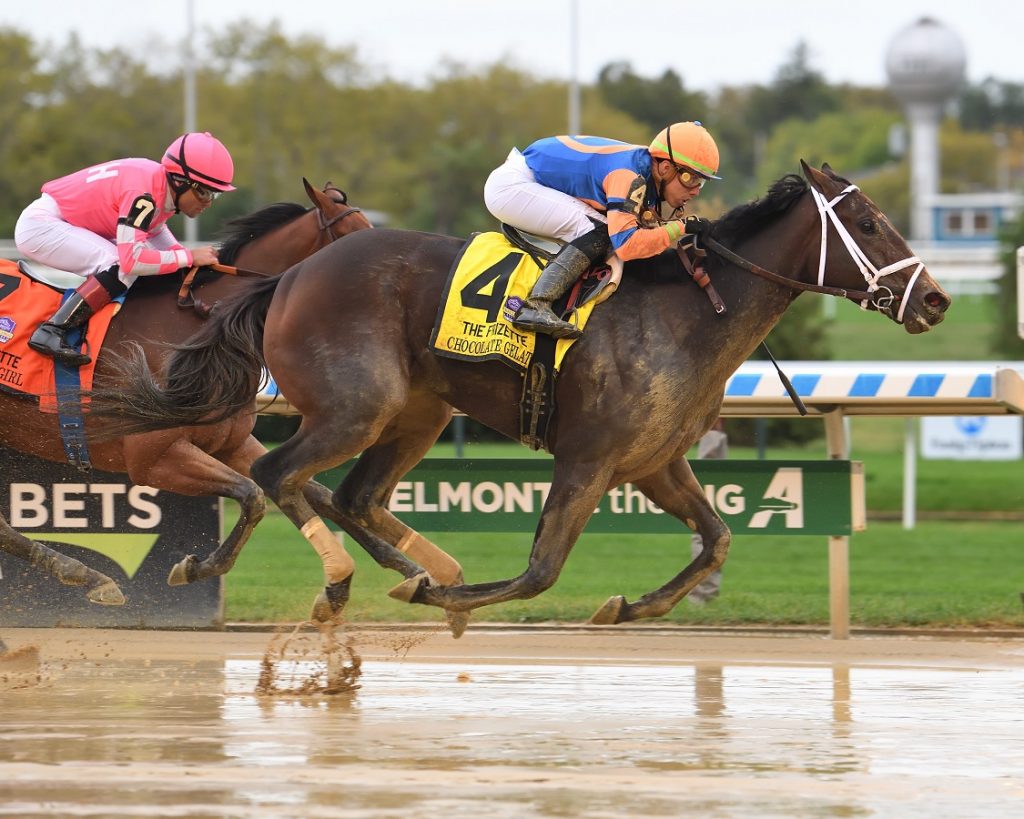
[859, 247]
[336, 217]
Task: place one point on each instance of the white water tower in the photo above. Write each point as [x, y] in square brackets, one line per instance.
[925, 63]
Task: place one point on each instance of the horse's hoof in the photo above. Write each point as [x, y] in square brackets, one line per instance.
[322, 611]
[457, 622]
[106, 594]
[183, 572]
[610, 613]
[407, 590]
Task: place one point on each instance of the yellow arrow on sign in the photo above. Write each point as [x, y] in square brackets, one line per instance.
[127, 551]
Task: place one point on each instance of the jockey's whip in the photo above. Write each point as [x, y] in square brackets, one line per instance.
[797, 402]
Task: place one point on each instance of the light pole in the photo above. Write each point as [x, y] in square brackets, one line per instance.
[189, 72]
[574, 53]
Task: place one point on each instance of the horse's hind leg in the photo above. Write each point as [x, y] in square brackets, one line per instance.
[99, 588]
[359, 505]
[170, 461]
[319, 444]
[676, 490]
[575, 492]
[363, 495]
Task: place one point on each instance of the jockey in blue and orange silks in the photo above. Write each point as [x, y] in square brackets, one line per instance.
[593, 193]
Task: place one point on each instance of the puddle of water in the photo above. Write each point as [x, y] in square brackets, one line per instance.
[117, 738]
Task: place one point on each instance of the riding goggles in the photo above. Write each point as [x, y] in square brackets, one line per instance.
[690, 179]
[203, 193]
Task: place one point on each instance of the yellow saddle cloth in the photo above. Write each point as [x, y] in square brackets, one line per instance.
[488, 283]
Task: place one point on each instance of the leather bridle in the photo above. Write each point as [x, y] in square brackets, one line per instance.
[325, 224]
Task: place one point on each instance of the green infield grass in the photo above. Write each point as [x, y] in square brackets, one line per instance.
[962, 564]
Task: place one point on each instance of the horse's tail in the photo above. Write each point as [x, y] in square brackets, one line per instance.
[212, 376]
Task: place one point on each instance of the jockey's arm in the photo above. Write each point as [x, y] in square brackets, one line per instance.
[626, 192]
[138, 253]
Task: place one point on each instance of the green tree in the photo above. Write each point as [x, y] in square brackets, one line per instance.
[797, 92]
[24, 88]
[854, 143]
[653, 102]
[992, 104]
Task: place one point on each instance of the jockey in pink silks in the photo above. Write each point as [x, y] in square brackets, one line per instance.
[107, 223]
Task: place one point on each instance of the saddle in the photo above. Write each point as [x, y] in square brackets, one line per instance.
[50, 276]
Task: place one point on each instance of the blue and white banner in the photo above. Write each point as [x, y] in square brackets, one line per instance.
[972, 438]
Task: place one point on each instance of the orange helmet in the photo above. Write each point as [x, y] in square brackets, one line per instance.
[689, 144]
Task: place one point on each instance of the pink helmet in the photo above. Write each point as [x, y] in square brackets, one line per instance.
[200, 158]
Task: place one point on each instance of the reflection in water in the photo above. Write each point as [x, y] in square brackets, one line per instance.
[728, 740]
[841, 714]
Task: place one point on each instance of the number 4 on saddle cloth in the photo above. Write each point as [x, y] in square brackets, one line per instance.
[25, 302]
[488, 282]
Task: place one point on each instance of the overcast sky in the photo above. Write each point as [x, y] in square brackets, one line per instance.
[710, 43]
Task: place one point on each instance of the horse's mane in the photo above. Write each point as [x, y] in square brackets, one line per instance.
[744, 219]
[733, 226]
[241, 230]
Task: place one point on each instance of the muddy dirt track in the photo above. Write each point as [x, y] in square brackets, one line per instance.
[511, 723]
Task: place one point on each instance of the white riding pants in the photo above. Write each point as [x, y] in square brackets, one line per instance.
[42, 235]
[514, 196]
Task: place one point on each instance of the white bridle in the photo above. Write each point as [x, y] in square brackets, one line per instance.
[869, 271]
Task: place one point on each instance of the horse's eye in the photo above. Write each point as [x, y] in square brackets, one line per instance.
[868, 226]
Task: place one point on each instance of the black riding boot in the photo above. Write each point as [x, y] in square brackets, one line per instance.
[91, 295]
[571, 262]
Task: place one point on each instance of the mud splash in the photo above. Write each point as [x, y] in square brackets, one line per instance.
[311, 659]
[20, 668]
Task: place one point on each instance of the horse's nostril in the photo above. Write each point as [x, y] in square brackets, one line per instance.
[936, 301]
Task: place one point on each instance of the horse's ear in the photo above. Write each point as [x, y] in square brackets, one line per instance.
[817, 178]
[310, 191]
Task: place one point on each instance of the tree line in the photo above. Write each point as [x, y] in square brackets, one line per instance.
[289, 107]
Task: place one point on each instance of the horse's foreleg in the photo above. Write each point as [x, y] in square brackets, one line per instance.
[676, 490]
[170, 461]
[99, 588]
[575, 492]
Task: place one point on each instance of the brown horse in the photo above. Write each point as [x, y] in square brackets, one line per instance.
[346, 335]
[208, 460]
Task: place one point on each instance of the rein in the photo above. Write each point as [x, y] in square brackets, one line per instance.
[186, 299]
[721, 250]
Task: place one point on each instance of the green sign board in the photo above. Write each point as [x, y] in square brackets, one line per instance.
[507, 495]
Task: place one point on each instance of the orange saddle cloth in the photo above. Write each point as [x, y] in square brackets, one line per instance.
[24, 305]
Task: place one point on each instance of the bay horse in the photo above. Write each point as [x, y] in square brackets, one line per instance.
[346, 335]
[196, 461]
